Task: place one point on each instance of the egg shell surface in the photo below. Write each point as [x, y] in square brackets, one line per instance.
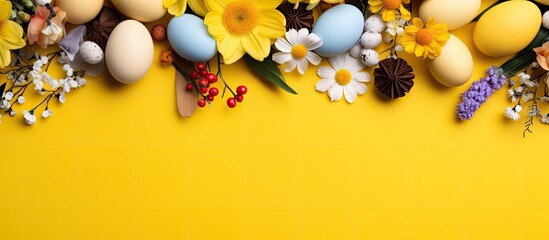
[507, 28]
[189, 37]
[141, 10]
[80, 12]
[339, 27]
[129, 52]
[454, 66]
[455, 14]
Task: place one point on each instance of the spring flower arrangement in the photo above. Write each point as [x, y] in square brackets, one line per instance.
[355, 37]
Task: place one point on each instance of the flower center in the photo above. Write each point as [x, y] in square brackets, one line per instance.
[424, 37]
[392, 4]
[240, 17]
[299, 51]
[343, 77]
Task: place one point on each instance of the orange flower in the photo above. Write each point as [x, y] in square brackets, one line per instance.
[166, 58]
[41, 33]
[543, 55]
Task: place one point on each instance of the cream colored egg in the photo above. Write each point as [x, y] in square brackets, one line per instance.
[454, 66]
[452, 12]
[129, 52]
[78, 11]
[141, 10]
[544, 2]
[507, 28]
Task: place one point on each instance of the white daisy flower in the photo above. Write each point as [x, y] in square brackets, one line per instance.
[296, 51]
[345, 78]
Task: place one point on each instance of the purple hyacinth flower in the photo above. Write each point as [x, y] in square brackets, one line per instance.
[479, 92]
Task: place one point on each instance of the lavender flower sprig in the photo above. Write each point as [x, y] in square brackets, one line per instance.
[479, 92]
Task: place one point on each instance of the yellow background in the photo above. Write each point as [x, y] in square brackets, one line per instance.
[117, 162]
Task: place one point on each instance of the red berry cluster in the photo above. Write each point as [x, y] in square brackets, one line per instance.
[202, 79]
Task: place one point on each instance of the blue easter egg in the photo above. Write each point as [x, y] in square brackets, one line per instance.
[189, 37]
[340, 27]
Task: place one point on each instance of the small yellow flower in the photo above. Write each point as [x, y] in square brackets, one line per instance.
[178, 7]
[389, 8]
[244, 26]
[425, 41]
[313, 3]
[11, 34]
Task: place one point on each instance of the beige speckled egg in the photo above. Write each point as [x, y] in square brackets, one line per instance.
[507, 28]
[78, 11]
[141, 10]
[129, 52]
[454, 66]
[452, 12]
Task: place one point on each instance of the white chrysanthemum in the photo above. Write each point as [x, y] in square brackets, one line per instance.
[513, 113]
[296, 50]
[343, 78]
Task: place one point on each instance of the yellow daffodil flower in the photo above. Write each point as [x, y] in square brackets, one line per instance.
[244, 26]
[178, 7]
[11, 34]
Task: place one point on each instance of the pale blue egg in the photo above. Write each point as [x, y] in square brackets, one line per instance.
[189, 37]
[340, 27]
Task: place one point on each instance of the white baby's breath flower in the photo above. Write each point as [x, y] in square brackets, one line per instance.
[545, 119]
[81, 81]
[12, 113]
[38, 85]
[297, 50]
[534, 65]
[513, 113]
[37, 65]
[534, 111]
[343, 78]
[5, 104]
[52, 28]
[8, 96]
[527, 97]
[512, 95]
[44, 60]
[61, 97]
[30, 118]
[47, 113]
[54, 84]
[21, 99]
[544, 99]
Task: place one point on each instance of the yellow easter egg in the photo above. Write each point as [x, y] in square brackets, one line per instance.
[454, 13]
[141, 10]
[454, 66]
[507, 28]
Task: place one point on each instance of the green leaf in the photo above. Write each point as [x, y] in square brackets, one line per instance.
[269, 71]
[2, 88]
[526, 56]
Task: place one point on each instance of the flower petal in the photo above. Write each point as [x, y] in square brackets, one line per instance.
[198, 7]
[361, 76]
[5, 10]
[272, 24]
[267, 4]
[338, 62]
[11, 35]
[360, 88]
[325, 84]
[302, 65]
[335, 92]
[326, 72]
[313, 58]
[282, 57]
[216, 5]
[214, 22]
[350, 93]
[283, 45]
[312, 41]
[291, 65]
[258, 47]
[291, 35]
